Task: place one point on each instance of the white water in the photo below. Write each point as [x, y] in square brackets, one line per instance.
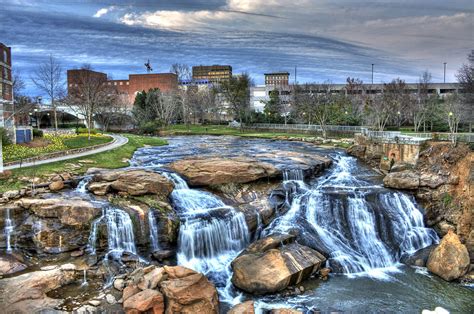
[364, 233]
[8, 230]
[153, 226]
[84, 279]
[211, 234]
[82, 186]
[120, 237]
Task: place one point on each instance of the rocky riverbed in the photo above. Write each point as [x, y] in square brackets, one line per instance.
[224, 224]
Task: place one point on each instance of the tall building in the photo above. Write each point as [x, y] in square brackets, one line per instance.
[136, 83]
[6, 87]
[277, 79]
[212, 73]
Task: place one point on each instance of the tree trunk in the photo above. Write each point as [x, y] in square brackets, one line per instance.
[55, 115]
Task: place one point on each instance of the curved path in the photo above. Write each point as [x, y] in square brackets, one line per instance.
[118, 141]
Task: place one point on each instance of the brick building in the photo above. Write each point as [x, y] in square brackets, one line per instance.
[166, 82]
[212, 73]
[6, 87]
[277, 79]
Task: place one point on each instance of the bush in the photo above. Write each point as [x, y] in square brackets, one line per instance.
[4, 136]
[85, 131]
[37, 133]
[149, 127]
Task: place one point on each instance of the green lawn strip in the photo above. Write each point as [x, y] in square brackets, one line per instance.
[83, 141]
[112, 159]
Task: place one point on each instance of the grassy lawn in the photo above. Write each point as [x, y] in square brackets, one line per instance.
[83, 141]
[116, 158]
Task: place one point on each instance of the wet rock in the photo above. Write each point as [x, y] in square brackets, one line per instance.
[152, 279]
[77, 253]
[419, 258]
[163, 254]
[275, 269]
[405, 180]
[131, 182]
[324, 273]
[86, 309]
[431, 180]
[270, 242]
[450, 259]
[56, 185]
[144, 301]
[129, 291]
[247, 307]
[357, 151]
[214, 171]
[285, 311]
[119, 284]
[187, 291]
[27, 293]
[10, 265]
[110, 299]
[94, 302]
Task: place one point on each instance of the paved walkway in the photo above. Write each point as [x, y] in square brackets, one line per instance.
[119, 140]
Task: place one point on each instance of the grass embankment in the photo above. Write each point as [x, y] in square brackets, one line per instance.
[225, 130]
[116, 158]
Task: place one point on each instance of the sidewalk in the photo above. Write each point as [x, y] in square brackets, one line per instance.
[118, 141]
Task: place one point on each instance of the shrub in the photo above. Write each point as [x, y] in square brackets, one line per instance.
[4, 136]
[149, 127]
[85, 131]
[37, 133]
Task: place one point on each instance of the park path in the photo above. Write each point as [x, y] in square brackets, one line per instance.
[118, 141]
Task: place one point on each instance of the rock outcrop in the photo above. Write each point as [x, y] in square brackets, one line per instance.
[268, 267]
[247, 307]
[168, 289]
[450, 259]
[130, 182]
[405, 180]
[27, 293]
[9, 264]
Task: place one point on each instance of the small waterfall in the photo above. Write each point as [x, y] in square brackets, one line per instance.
[153, 226]
[258, 231]
[293, 175]
[8, 230]
[120, 237]
[82, 186]
[84, 278]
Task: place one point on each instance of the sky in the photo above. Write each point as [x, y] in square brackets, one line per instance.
[325, 39]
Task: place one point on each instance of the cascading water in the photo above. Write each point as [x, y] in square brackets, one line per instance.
[82, 186]
[8, 230]
[153, 226]
[211, 234]
[362, 227]
[120, 237]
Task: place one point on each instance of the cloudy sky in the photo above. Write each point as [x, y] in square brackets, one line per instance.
[326, 39]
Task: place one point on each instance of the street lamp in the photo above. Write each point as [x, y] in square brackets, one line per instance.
[444, 77]
[372, 74]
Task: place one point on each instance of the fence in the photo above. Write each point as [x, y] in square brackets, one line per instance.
[306, 127]
[416, 138]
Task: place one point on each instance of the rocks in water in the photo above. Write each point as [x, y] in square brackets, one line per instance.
[163, 254]
[131, 182]
[9, 264]
[185, 291]
[324, 273]
[405, 180]
[247, 307]
[144, 301]
[214, 171]
[110, 299]
[27, 293]
[270, 242]
[285, 311]
[450, 259]
[56, 185]
[419, 258]
[273, 269]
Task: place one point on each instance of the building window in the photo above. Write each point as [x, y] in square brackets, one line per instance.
[115, 83]
[5, 56]
[121, 83]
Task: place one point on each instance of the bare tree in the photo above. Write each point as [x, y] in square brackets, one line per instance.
[420, 107]
[89, 94]
[113, 110]
[465, 77]
[181, 70]
[453, 113]
[48, 77]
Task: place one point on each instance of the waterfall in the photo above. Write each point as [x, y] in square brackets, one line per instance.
[8, 230]
[153, 226]
[84, 278]
[120, 237]
[293, 175]
[363, 227]
[82, 185]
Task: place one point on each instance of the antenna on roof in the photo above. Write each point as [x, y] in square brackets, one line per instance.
[148, 66]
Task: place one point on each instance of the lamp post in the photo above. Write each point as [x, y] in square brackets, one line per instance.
[444, 76]
[372, 74]
[398, 119]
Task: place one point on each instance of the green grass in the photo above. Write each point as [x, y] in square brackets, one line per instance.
[83, 141]
[116, 158]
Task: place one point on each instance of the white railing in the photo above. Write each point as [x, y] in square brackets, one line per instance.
[396, 136]
[306, 127]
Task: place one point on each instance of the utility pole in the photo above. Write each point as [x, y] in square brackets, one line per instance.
[372, 74]
[296, 72]
[444, 77]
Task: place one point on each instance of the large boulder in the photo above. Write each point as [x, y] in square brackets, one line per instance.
[450, 259]
[405, 180]
[187, 291]
[27, 293]
[145, 301]
[131, 182]
[214, 171]
[274, 269]
[9, 264]
[247, 307]
[70, 212]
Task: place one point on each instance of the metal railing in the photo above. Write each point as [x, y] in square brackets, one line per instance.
[306, 127]
[401, 137]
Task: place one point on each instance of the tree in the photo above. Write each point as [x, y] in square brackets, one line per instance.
[237, 92]
[398, 100]
[273, 109]
[465, 78]
[113, 110]
[181, 70]
[154, 106]
[48, 77]
[21, 104]
[453, 112]
[90, 93]
[419, 108]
